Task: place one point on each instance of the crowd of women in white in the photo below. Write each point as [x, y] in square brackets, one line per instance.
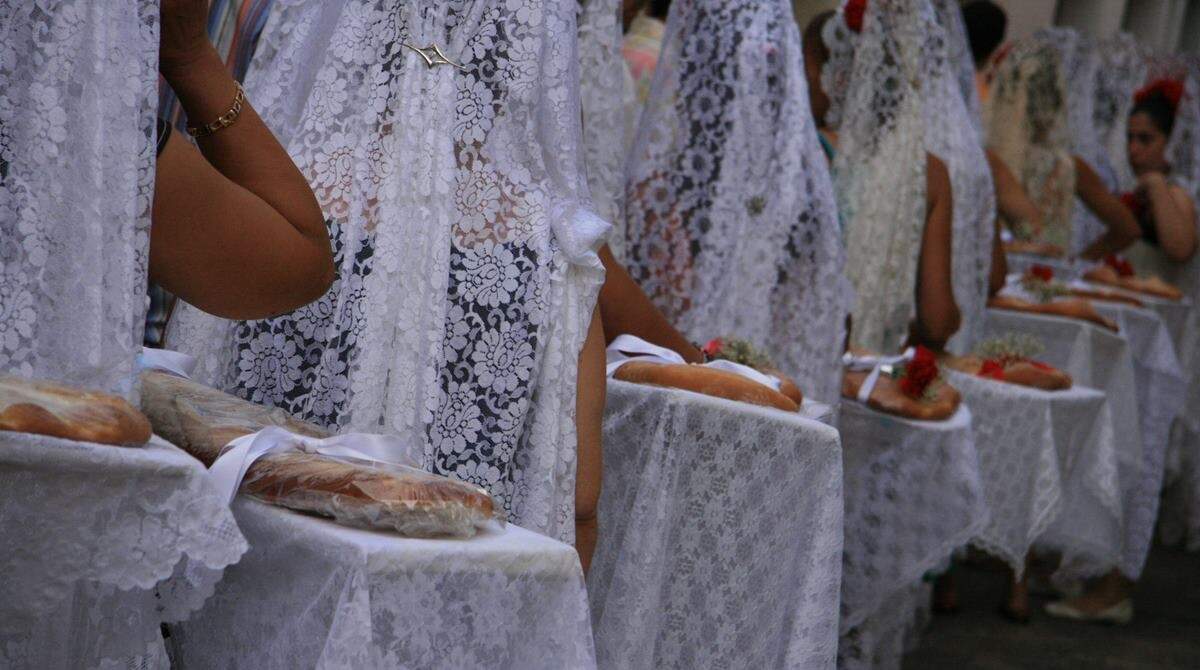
[508, 185]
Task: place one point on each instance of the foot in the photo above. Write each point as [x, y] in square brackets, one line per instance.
[1085, 609]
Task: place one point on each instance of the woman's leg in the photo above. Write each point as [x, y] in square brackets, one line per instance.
[589, 413]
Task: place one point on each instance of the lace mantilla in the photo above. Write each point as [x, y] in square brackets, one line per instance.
[464, 245]
[76, 182]
[880, 170]
[731, 226]
[1027, 123]
[952, 136]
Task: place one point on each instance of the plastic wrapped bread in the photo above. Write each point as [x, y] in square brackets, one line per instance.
[1152, 286]
[1020, 372]
[364, 494]
[1071, 308]
[46, 408]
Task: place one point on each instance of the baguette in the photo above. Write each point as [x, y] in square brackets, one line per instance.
[709, 381]
[889, 399]
[1152, 286]
[1072, 308]
[46, 408]
[1021, 373]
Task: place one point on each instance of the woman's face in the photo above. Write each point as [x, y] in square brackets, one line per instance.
[1147, 145]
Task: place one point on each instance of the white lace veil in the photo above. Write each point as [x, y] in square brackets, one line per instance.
[952, 135]
[1122, 70]
[606, 94]
[950, 17]
[880, 168]
[731, 225]
[465, 252]
[1027, 125]
[77, 99]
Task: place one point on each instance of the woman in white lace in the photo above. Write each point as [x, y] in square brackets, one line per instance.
[442, 140]
[730, 221]
[1027, 121]
[894, 198]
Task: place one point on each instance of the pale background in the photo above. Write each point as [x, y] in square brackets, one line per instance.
[1160, 25]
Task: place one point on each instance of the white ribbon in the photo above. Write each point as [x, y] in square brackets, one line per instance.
[646, 352]
[877, 365]
[228, 471]
[165, 360]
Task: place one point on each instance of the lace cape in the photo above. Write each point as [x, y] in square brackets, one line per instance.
[952, 135]
[463, 243]
[607, 95]
[731, 226]
[1027, 124]
[76, 182]
[880, 164]
[1121, 72]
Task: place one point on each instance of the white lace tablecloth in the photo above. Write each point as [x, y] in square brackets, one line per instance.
[913, 496]
[1101, 359]
[1041, 452]
[100, 545]
[313, 594]
[720, 535]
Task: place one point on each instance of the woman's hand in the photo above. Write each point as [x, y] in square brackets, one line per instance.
[184, 36]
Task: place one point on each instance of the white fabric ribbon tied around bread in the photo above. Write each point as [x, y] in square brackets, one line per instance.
[626, 348]
[165, 360]
[230, 468]
[877, 365]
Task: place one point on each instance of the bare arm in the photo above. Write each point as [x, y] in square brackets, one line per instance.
[938, 317]
[1174, 216]
[1011, 200]
[625, 309]
[999, 272]
[1122, 228]
[236, 231]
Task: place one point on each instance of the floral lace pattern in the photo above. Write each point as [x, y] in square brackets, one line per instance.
[880, 170]
[120, 540]
[952, 136]
[730, 222]
[1027, 123]
[1121, 71]
[76, 182]
[689, 578]
[506, 599]
[465, 251]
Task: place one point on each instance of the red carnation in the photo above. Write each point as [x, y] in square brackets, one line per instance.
[853, 14]
[1042, 272]
[919, 373]
[714, 347]
[1171, 89]
[992, 369]
[1134, 204]
[1122, 266]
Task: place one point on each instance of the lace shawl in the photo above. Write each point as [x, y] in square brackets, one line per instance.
[731, 226]
[77, 94]
[465, 251]
[1026, 120]
[951, 134]
[880, 167]
[1121, 72]
[607, 95]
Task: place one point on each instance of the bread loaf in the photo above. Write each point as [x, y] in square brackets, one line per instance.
[1020, 372]
[1152, 286]
[709, 381]
[46, 408]
[1106, 296]
[1071, 308]
[888, 398]
[1033, 248]
[357, 493]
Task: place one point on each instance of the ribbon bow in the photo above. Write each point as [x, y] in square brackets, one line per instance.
[165, 360]
[643, 351]
[877, 365]
[228, 471]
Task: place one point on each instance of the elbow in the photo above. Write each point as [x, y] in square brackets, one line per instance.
[1180, 253]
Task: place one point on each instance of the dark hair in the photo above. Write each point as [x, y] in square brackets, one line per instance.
[1158, 107]
[658, 9]
[986, 24]
[814, 44]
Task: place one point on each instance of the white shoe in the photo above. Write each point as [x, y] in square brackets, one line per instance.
[1119, 614]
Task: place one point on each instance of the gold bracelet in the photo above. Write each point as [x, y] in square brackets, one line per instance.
[223, 121]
